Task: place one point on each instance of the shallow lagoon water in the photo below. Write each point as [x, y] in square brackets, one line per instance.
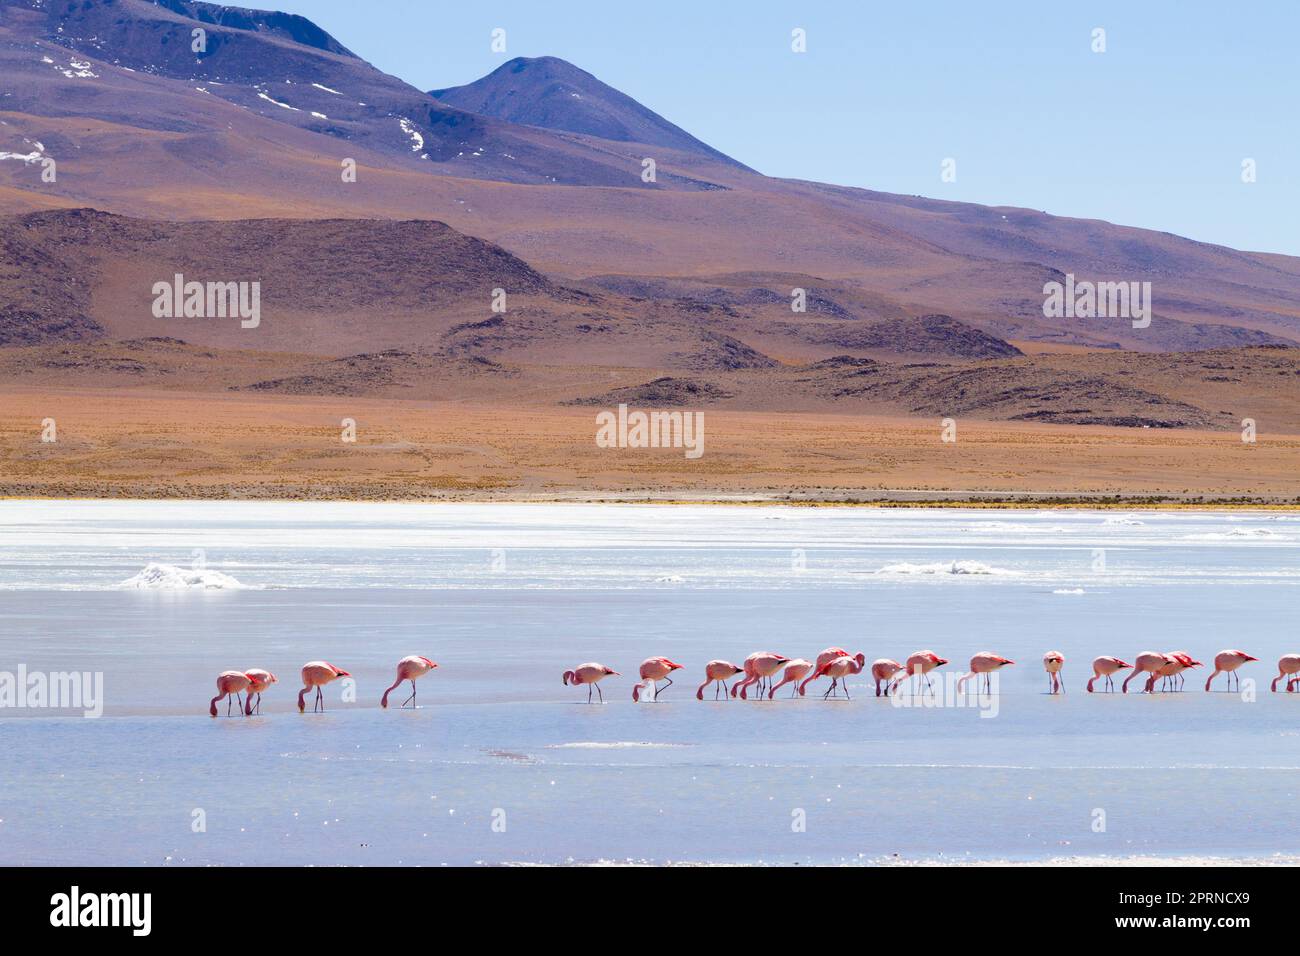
[501, 763]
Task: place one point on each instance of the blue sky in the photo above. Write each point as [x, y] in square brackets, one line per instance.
[1150, 133]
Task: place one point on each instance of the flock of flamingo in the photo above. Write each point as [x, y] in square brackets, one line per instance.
[761, 668]
[836, 663]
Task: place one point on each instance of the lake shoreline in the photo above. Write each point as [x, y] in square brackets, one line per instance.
[991, 501]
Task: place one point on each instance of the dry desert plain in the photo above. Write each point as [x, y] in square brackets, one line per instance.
[142, 443]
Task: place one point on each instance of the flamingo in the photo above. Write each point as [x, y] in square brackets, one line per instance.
[258, 681]
[408, 668]
[824, 658]
[1179, 661]
[838, 671]
[653, 670]
[883, 670]
[317, 674]
[793, 673]
[985, 662]
[591, 674]
[828, 655]
[921, 662]
[1287, 664]
[1227, 662]
[229, 684]
[1053, 661]
[1148, 662]
[759, 667]
[716, 673]
[1106, 667]
[822, 668]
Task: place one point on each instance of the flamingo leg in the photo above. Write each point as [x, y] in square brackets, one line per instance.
[320, 701]
[846, 689]
[589, 688]
[412, 697]
[668, 682]
[599, 693]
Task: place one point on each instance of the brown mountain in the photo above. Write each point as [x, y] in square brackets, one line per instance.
[546, 91]
[258, 126]
[272, 66]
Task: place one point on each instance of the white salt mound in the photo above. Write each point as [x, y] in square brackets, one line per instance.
[168, 577]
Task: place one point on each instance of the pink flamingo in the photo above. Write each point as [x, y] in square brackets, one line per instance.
[1227, 662]
[408, 668]
[828, 655]
[1179, 661]
[921, 662]
[317, 674]
[229, 685]
[985, 662]
[1287, 664]
[590, 674]
[794, 671]
[258, 681]
[653, 670]
[759, 668]
[717, 673]
[822, 669]
[1106, 667]
[1148, 662]
[838, 671]
[883, 670]
[1053, 661]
